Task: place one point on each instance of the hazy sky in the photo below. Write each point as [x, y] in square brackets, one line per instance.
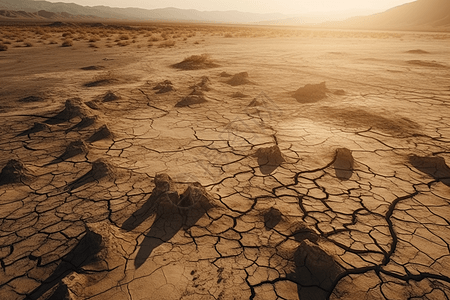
[259, 6]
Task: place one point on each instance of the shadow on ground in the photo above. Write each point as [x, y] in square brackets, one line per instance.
[173, 212]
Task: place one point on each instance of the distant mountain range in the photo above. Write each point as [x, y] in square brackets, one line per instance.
[418, 15]
[136, 14]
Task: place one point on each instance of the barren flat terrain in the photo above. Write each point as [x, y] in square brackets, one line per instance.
[218, 162]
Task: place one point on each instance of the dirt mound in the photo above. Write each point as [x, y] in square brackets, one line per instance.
[311, 93]
[339, 92]
[269, 159]
[110, 96]
[239, 95]
[256, 102]
[433, 166]
[194, 195]
[15, 172]
[37, 127]
[239, 79]
[269, 156]
[417, 51]
[271, 218]
[163, 183]
[343, 163]
[32, 99]
[93, 68]
[176, 206]
[102, 133]
[423, 63]
[361, 119]
[75, 148]
[103, 79]
[301, 232]
[197, 92]
[84, 123]
[94, 104]
[87, 251]
[225, 74]
[191, 100]
[196, 62]
[100, 169]
[164, 87]
[203, 85]
[73, 108]
[316, 271]
[168, 199]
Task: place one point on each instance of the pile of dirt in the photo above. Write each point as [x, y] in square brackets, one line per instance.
[74, 148]
[89, 250]
[15, 172]
[93, 68]
[271, 156]
[194, 195]
[103, 79]
[343, 163]
[73, 107]
[99, 169]
[316, 271]
[255, 102]
[357, 118]
[430, 64]
[301, 232]
[196, 62]
[164, 87]
[239, 79]
[433, 166]
[37, 127]
[339, 92]
[84, 123]
[225, 74]
[32, 99]
[102, 133]
[191, 100]
[417, 51]
[271, 218]
[239, 95]
[311, 93]
[110, 96]
[203, 85]
[94, 104]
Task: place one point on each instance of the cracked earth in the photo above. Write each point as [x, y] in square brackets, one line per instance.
[284, 168]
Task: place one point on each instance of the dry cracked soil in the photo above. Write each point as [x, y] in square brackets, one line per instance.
[305, 166]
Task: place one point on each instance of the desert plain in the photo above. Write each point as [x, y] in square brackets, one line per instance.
[195, 161]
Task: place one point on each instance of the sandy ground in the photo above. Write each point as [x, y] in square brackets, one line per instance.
[134, 179]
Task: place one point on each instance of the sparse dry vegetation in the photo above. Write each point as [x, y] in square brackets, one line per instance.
[102, 79]
[67, 43]
[165, 36]
[196, 62]
[123, 43]
[167, 44]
